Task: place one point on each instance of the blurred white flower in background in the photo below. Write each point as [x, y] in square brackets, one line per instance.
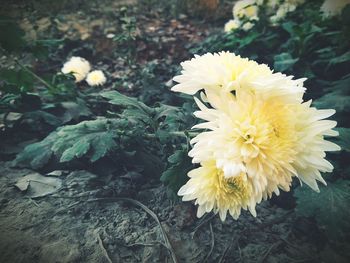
[245, 9]
[333, 7]
[272, 3]
[78, 66]
[96, 78]
[232, 24]
[247, 26]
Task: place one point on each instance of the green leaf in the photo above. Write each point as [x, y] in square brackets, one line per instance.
[89, 139]
[343, 140]
[77, 150]
[93, 139]
[284, 61]
[42, 116]
[11, 35]
[102, 144]
[340, 59]
[74, 110]
[38, 154]
[330, 207]
[119, 99]
[176, 174]
[16, 81]
[336, 100]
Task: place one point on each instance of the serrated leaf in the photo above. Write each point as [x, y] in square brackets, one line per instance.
[37, 155]
[340, 59]
[117, 98]
[77, 150]
[102, 145]
[176, 174]
[88, 138]
[284, 61]
[330, 207]
[343, 140]
[92, 139]
[74, 110]
[337, 100]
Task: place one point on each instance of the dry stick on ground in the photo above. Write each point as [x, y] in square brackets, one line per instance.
[212, 243]
[267, 253]
[104, 251]
[147, 210]
[203, 222]
[233, 242]
[151, 244]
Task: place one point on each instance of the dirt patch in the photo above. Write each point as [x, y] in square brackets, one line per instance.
[67, 227]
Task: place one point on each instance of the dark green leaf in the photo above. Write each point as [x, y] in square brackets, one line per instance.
[330, 207]
[176, 174]
[117, 98]
[284, 61]
[37, 155]
[11, 35]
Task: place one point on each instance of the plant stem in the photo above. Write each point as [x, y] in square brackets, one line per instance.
[44, 82]
[185, 134]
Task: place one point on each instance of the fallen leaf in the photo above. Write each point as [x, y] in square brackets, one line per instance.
[37, 185]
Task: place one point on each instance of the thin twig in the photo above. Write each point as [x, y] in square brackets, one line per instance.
[203, 222]
[212, 244]
[44, 82]
[239, 252]
[147, 210]
[104, 251]
[151, 244]
[233, 242]
[267, 253]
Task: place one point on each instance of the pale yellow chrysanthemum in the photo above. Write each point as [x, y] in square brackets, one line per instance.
[247, 26]
[226, 72]
[272, 3]
[266, 139]
[232, 25]
[333, 7]
[96, 78]
[212, 191]
[78, 66]
[245, 9]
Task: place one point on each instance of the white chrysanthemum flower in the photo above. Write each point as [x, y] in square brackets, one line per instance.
[247, 26]
[272, 3]
[231, 25]
[226, 72]
[213, 191]
[245, 9]
[333, 7]
[96, 78]
[266, 139]
[78, 66]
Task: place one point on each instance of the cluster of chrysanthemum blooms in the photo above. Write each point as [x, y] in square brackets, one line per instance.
[80, 68]
[258, 134]
[246, 13]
